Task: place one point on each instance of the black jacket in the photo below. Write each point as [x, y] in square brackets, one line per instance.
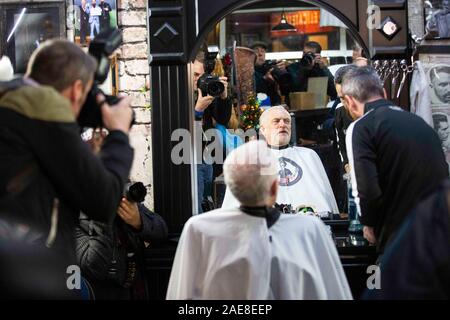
[300, 76]
[416, 264]
[396, 159]
[265, 86]
[102, 248]
[342, 121]
[218, 111]
[47, 170]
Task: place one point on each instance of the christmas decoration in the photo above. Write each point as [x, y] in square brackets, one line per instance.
[250, 113]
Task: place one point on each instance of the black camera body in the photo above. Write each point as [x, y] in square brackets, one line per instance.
[282, 77]
[135, 192]
[210, 85]
[307, 59]
[207, 83]
[101, 48]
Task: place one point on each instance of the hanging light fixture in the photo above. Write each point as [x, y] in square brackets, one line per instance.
[284, 25]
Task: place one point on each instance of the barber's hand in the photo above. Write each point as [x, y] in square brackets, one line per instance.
[224, 94]
[129, 213]
[117, 117]
[203, 102]
[369, 234]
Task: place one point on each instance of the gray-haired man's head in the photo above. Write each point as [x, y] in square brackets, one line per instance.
[359, 86]
[250, 173]
[339, 76]
[275, 126]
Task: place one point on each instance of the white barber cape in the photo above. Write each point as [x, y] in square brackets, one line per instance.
[302, 181]
[228, 254]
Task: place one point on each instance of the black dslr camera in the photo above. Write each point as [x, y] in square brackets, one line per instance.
[282, 77]
[209, 84]
[104, 44]
[135, 192]
[307, 59]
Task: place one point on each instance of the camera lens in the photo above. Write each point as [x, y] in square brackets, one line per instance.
[215, 88]
[136, 192]
[307, 59]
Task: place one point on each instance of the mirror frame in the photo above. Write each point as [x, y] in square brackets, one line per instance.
[176, 31]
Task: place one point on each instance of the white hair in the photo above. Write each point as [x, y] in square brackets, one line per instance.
[249, 172]
[362, 83]
[265, 115]
[6, 69]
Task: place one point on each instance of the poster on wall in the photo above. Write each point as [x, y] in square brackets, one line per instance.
[437, 69]
[92, 17]
[437, 19]
[441, 121]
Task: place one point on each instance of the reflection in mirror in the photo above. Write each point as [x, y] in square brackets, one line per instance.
[279, 56]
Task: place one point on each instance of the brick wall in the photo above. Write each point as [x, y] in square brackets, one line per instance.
[133, 79]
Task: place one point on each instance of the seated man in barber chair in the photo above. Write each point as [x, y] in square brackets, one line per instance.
[304, 181]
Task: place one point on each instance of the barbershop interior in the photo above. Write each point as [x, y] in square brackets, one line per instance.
[226, 150]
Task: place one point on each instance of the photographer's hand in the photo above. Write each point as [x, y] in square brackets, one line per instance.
[118, 117]
[318, 60]
[282, 65]
[224, 94]
[268, 76]
[203, 101]
[129, 213]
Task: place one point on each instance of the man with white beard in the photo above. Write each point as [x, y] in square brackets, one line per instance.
[252, 251]
[303, 181]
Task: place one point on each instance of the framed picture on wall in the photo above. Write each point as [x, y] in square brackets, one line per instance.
[437, 19]
[91, 17]
[111, 84]
[437, 69]
[23, 26]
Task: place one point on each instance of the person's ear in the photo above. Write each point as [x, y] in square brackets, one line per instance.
[274, 188]
[347, 101]
[77, 91]
[351, 105]
[262, 131]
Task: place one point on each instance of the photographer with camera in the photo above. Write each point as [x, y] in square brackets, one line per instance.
[311, 65]
[47, 173]
[213, 106]
[264, 80]
[111, 255]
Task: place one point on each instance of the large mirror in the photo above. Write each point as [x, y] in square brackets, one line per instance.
[274, 55]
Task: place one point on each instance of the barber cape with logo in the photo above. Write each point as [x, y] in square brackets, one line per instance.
[302, 181]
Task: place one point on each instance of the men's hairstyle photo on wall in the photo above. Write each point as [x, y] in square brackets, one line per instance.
[437, 19]
[439, 81]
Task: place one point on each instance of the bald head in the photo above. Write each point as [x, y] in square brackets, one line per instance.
[250, 173]
[275, 126]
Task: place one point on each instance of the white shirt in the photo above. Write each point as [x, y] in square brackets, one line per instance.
[302, 182]
[95, 11]
[228, 254]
